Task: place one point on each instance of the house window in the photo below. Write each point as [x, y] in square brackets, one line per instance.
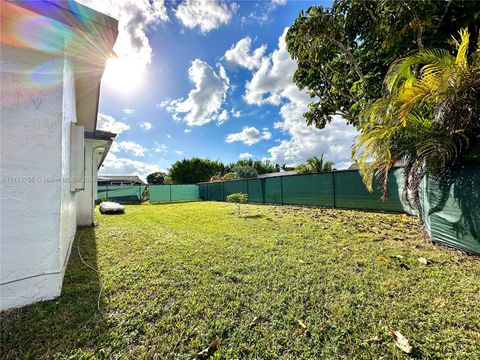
[77, 158]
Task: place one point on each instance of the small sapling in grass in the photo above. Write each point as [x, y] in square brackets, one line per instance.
[237, 199]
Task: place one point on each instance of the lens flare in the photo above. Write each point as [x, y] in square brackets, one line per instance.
[44, 34]
[45, 39]
[122, 74]
[47, 74]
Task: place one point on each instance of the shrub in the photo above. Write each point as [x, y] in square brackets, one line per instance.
[237, 199]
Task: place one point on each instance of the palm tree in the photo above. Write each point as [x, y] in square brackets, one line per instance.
[328, 166]
[303, 169]
[316, 164]
[429, 117]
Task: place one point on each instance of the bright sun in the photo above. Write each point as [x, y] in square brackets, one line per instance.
[122, 74]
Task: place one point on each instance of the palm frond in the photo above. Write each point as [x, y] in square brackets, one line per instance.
[429, 117]
[401, 69]
[462, 47]
[441, 150]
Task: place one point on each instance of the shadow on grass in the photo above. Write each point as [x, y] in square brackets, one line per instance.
[257, 216]
[68, 324]
[172, 202]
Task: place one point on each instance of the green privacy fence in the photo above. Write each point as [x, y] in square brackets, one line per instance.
[340, 189]
[121, 193]
[450, 209]
[155, 193]
[171, 193]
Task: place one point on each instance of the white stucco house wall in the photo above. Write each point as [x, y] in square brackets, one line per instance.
[96, 149]
[52, 55]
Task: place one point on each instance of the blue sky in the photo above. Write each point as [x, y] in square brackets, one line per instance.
[208, 79]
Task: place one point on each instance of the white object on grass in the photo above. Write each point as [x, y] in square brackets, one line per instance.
[110, 207]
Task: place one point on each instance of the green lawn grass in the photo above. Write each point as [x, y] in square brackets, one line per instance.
[279, 282]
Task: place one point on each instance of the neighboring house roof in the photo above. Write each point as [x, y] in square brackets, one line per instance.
[280, 173]
[88, 36]
[121, 179]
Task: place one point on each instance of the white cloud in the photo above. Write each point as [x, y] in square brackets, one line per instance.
[240, 54]
[273, 79]
[205, 14]
[168, 136]
[128, 111]
[335, 140]
[262, 12]
[135, 17]
[249, 136]
[235, 113]
[222, 117]
[146, 125]
[108, 123]
[114, 165]
[245, 155]
[204, 102]
[159, 147]
[129, 147]
[272, 84]
[179, 152]
[187, 131]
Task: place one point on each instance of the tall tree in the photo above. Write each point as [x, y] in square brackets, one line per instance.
[260, 166]
[156, 178]
[344, 50]
[195, 170]
[244, 172]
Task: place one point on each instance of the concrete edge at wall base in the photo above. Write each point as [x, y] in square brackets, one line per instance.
[27, 291]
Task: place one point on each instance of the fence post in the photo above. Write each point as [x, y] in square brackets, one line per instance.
[170, 192]
[281, 189]
[248, 192]
[262, 184]
[334, 195]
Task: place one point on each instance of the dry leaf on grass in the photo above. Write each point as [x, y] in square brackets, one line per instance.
[255, 321]
[422, 260]
[363, 235]
[372, 339]
[302, 324]
[401, 341]
[211, 348]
